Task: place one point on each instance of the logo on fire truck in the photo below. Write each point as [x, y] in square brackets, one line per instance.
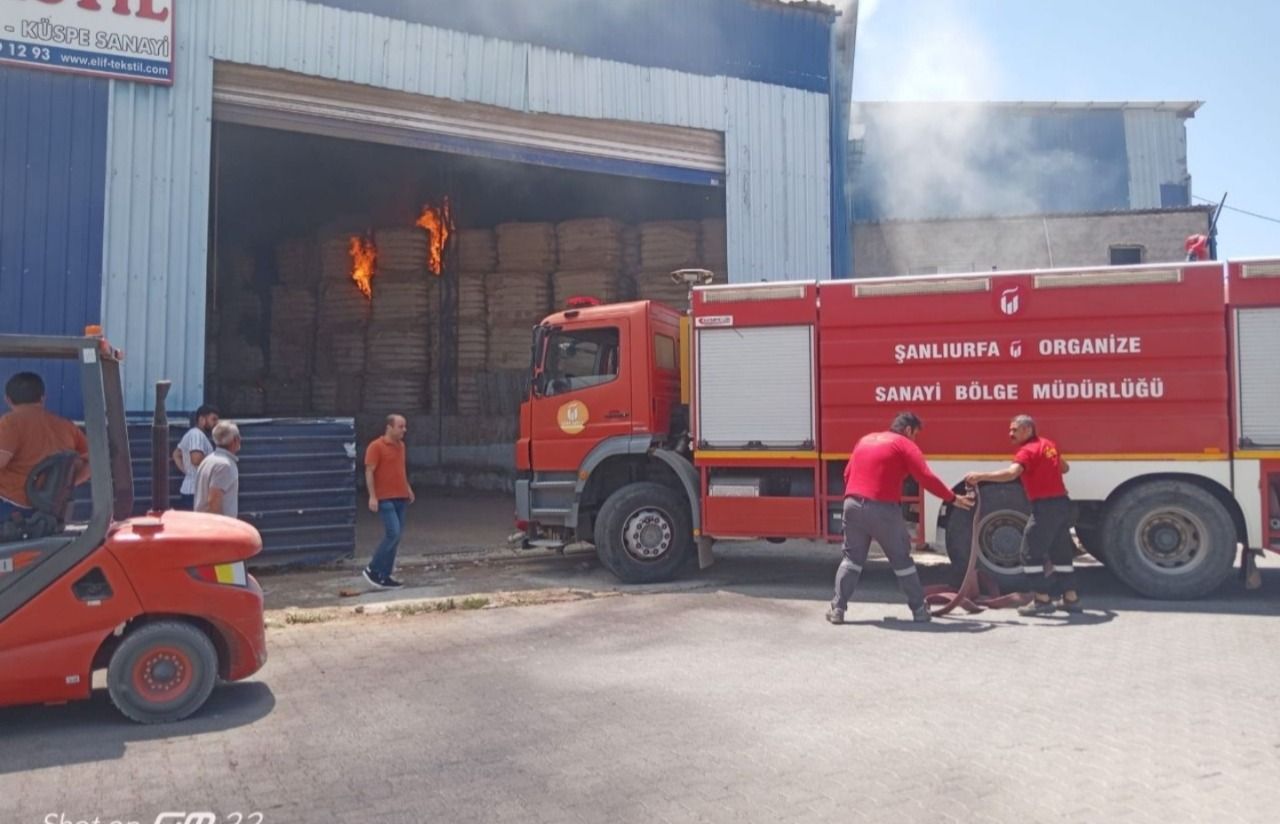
[573, 417]
[1011, 300]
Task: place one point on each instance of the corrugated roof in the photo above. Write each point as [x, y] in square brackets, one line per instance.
[1039, 215]
[1183, 108]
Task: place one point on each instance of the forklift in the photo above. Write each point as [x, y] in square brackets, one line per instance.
[161, 602]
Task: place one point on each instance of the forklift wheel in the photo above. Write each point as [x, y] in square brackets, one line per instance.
[162, 672]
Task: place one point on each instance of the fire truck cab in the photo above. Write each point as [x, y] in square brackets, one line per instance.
[651, 433]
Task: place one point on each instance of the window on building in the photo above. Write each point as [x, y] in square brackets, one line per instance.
[1127, 255]
[579, 359]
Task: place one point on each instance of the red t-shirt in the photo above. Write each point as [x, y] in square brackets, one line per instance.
[880, 463]
[1041, 469]
[387, 460]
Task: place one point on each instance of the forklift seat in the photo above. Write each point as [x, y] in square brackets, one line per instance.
[49, 489]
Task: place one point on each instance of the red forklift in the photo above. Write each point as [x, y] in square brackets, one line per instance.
[162, 602]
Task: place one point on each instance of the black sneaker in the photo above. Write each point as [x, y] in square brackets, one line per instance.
[921, 614]
[391, 583]
[835, 616]
[374, 580]
[1035, 607]
[1073, 606]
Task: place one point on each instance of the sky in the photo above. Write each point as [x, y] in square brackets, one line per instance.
[1223, 54]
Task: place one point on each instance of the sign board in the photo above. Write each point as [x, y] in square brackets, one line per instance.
[121, 39]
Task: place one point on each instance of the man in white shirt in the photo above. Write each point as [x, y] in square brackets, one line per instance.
[194, 447]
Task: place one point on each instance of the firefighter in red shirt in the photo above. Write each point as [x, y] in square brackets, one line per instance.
[873, 481]
[1040, 466]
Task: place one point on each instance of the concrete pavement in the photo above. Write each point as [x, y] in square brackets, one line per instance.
[732, 701]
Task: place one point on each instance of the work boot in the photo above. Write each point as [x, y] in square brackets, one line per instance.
[1036, 607]
[835, 616]
[921, 614]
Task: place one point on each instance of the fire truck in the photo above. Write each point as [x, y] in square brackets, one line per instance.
[652, 433]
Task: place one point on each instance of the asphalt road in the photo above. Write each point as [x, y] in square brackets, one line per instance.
[728, 701]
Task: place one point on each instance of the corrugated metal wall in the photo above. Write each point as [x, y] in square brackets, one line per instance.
[923, 161]
[760, 40]
[1156, 146]
[157, 225]
[297, 486]
[776, 145]
[53, 138]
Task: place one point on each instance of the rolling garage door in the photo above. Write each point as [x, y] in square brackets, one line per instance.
[1258, 339]
[741, 404]
[292, 102]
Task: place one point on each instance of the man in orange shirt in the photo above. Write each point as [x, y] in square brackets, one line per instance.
[387, 477]
[28, 435]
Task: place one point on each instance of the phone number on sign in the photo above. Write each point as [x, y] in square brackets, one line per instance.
[24, 52]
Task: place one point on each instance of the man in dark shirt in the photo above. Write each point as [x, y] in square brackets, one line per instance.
[873, 478]
[1040, 466]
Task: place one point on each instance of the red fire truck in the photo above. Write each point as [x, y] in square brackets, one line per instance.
[652, 433]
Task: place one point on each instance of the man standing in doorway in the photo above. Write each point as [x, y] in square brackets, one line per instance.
[218, 476]
[194, 447]
[873, 478]
[1048, 532]
[387, 477]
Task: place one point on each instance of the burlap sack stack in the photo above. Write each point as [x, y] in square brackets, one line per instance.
[337, 384]
[714, 249]
[293, 329]
[519, 293]
[477, 254]
[591, 262]
[237, 337]
[398, 355]
[666, 246]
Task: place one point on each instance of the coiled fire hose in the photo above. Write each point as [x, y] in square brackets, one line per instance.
[978, 591]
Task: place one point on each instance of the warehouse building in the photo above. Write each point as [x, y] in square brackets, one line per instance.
[979, 186]
[348, 207]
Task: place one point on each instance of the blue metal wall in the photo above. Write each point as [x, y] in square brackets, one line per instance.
[748, 39]
[53, 148]
[297, 486]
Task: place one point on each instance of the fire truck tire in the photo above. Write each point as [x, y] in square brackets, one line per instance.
[162, 672]
[644, 533]
[1091, 540]
[1170, 540]
[1004, 511]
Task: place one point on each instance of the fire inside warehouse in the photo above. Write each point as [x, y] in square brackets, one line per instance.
[353, 279]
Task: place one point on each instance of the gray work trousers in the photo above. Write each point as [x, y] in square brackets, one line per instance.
[865, 521]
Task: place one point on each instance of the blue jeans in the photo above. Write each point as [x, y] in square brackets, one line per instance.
[384, 557]
[7, 509]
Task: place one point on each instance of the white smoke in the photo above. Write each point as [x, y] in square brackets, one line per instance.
[936, 160]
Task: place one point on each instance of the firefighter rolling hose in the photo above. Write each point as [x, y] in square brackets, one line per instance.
[1040, 467]
[879, 464]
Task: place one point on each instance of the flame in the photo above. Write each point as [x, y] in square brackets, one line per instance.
[364, 257]
[438, 221]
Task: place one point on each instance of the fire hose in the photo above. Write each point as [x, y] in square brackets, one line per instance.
[978, 591]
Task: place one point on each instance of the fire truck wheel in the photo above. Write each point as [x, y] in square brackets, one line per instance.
[162, 672]
[1002, 518]
[1170, 540]
[1091, 540]
[644, 533]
